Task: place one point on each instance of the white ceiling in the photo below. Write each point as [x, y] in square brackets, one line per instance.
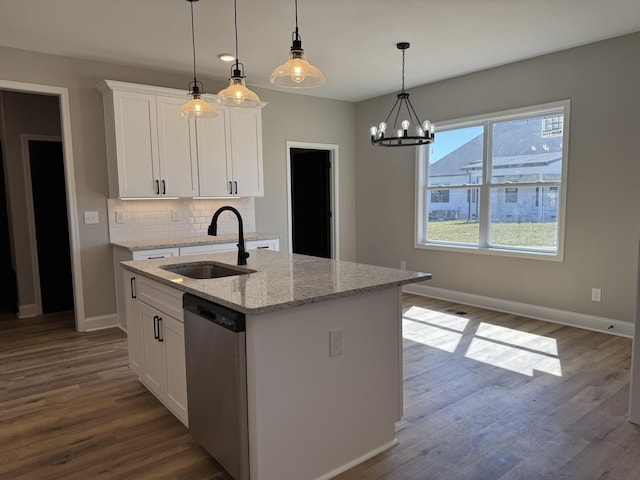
[351, 41]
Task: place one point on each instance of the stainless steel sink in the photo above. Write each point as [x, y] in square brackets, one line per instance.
[204, 270]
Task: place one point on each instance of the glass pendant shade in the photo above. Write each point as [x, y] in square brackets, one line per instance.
[297, 73]
[237, 95]
[197, 108]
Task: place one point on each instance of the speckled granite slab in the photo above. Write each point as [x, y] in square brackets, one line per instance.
[134, 245]
[281, 280]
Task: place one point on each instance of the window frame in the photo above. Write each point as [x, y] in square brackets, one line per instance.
[484, 189]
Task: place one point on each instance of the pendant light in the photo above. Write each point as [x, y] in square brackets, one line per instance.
[237, 94]
[196, 107]
[411, 131]
[297, 72]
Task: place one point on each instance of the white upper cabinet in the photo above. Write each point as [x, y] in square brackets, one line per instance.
[176, 149]
[231, 166]
[152, 152]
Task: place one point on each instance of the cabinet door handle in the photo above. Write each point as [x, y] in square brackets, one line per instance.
[236, 184]
[156, 257]
[262, 247]
[160, 337]
[156, 335]
[164, 187]
[230, 188]
[157, 187]
[133, 287]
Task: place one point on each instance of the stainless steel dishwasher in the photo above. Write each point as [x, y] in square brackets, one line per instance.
[217, 382]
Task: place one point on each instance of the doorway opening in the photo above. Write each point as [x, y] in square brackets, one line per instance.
[312, 179]
[62, 94]
[52, 259]
[9, 290]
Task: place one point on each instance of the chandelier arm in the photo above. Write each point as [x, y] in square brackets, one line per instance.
[386, 120]
[412, 110]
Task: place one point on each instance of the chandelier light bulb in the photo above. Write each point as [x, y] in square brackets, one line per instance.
[399, 133]
[374, 131]
[405, 124]
[382, 127]
[425, 125]
[419, 131]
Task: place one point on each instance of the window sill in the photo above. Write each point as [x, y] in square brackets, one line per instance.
[502, 252]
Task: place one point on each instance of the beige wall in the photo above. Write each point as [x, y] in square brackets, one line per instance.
[23, 114]
[287, 117]
[602, 81]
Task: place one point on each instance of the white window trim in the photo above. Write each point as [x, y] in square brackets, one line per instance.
[421, 181]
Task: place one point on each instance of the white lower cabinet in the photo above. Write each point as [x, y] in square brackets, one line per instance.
[156, 342]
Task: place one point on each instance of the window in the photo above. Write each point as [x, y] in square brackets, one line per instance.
[505, 177]
[439, 196]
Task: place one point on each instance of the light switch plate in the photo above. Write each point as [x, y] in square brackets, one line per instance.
[90, 218]
[119, 216]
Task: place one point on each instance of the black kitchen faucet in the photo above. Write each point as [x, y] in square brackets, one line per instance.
[213, 230]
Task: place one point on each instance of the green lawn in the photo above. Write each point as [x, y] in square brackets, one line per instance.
[534, 235]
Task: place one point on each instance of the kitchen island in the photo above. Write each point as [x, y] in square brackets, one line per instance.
[312, 412]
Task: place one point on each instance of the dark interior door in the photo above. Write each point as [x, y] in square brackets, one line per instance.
[52, 227]
[311, 201]
[8, 291]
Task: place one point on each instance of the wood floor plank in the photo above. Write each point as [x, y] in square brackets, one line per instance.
[488, 395]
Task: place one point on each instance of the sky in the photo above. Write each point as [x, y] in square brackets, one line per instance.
[447, 141]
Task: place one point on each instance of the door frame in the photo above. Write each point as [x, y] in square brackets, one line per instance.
[25, 138]
[332, 148]
[72, 205]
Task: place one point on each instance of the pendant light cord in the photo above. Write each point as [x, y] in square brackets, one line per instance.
[296, 9]
[235, 21]
[403, 71]
[193, 43]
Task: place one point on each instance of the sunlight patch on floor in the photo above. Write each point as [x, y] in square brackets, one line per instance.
[507, 348]
[435, 329]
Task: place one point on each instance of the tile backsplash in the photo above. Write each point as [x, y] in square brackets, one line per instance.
[152, 219]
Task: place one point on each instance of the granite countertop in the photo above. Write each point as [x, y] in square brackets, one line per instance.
[134, 245]
[281, 280]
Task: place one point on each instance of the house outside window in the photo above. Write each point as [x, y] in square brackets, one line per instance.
[505, 177]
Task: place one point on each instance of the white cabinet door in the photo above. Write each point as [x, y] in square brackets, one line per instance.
[176, 150]
[214, 155]
[176, 391]
[134, 325]
[136, 139]
[154, 376]
[246, 151]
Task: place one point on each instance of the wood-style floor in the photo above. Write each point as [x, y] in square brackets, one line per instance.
[487, 396]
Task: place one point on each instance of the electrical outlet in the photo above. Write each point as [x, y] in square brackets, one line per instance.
[403, 265]
[119, 216]
[596, 294]
[175, 215]
[335, 342]
[90, 218]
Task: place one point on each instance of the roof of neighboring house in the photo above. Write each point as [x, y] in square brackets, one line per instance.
[516, 144]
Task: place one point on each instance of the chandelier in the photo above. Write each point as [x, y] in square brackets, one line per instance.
[411, 131]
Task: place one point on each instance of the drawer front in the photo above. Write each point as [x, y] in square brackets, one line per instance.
[273, 244]
[160, 296]
[155, 253]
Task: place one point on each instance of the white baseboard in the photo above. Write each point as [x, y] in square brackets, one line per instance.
[29, 310]
[564, 317]
[358, 461]
[100, 322]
